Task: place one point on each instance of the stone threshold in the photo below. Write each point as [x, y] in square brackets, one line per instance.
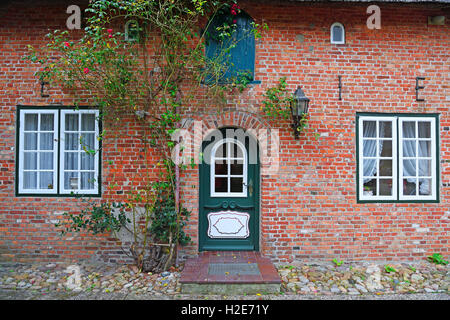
[229, 272]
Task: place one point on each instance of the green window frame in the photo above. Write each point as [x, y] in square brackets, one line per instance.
[58, 151]
[397, 157]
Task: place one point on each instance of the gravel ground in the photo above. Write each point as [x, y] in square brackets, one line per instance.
[21, 294]
[320, 281]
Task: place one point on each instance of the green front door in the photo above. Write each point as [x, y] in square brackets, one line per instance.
[229, 192]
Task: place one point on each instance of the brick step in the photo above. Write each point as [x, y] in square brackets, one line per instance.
[229, 272]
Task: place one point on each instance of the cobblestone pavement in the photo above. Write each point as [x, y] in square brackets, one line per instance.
[324, 281]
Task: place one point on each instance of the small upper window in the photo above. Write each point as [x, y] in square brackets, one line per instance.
[337, 33]
[131, 31]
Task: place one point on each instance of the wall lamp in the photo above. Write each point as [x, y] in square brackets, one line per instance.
[299, 110]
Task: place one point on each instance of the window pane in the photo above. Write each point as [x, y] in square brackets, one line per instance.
[30, 180]
[370, 188]
[46, 180]
[71, 123]
[221, 151]
[237, 167]
[30, 160]
[385, 129]
[386, 168]
[87, 161]
[409, 129]
[221, 168]
[31, 122]
[424, 148]
[236, 151]
[424, 129]
[30, 142]
[425, 168]
[47, 122]
[369, 129]
[71, 180]
[87, 180]
[386, 148]
[46, 160]
[409, 148]
[46, 141]
[71, 160]
[337, 34]
[236, 185]
[88, 122]
[409, 188]
[88, 141]
[369, 167]
[385, 187]
[221, 185]
[425, 187]
[369, 148]
[71, 141]
[409, 168]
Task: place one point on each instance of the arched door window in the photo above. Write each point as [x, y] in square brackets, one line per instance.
[230, 57]
[229, 169]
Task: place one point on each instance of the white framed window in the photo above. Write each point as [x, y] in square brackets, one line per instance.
[131, 31]
[78, 151]
[229, 169]
[337, 33]
[378, 159]
[397, 159]
[38, 133]
[417, 157]
[58, 151]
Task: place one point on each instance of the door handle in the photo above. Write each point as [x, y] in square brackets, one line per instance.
[249, 186]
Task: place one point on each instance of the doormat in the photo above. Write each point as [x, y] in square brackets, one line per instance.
[233, 269]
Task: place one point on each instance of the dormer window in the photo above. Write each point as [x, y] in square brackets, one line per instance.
[131, 31]
[337, 33]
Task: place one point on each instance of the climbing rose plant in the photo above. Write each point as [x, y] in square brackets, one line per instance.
[155, 79]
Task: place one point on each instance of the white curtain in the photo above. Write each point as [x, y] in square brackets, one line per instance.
[409, 150]
[370, 147]
[79, 160]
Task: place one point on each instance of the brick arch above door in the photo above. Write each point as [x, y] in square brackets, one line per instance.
[247, 121]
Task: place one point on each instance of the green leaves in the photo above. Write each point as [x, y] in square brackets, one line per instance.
[337, 263]
[389, 269]
[97, 218]
[165, 219]
[277, 101]
[437, 259]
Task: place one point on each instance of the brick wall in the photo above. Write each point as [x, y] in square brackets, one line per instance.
[308, 209]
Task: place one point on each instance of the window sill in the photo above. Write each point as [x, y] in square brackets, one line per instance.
[397, 201]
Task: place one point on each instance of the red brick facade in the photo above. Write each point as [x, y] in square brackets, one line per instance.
[309, 208]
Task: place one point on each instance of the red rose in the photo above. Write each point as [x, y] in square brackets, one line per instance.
[86, 70]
